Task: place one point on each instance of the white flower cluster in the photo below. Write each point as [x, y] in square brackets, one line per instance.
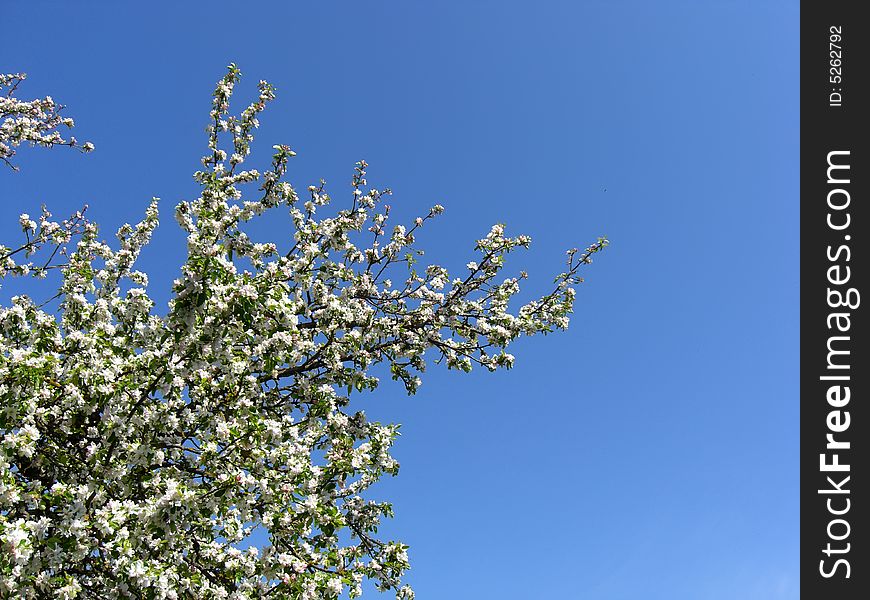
[33, 121]
[138, 452]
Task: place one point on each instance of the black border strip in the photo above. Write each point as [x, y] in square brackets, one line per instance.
[835, 227]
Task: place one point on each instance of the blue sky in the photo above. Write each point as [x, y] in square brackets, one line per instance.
[651, 452]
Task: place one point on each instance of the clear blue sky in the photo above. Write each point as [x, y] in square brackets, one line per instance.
[651, 452]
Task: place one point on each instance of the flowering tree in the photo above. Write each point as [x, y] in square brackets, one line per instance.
[139, 451]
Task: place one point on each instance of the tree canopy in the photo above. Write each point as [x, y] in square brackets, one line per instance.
[139, 449]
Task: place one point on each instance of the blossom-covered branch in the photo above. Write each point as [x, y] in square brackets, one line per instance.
[34, 121]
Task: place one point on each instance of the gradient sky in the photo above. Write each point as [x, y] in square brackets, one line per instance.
[651, 452]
